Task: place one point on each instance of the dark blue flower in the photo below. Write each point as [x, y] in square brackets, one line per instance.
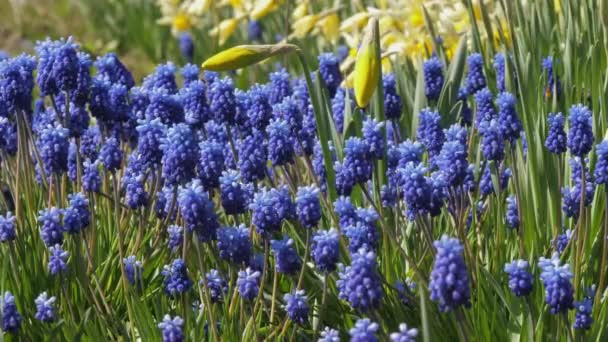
[7, 227]
[364, 331]
[186, 46]
[16, 84]
[45, 308]
[176, 279]
[584, 310]
[248, 283]
[57, 66]
[360, 284]
[194, 100]
[520, 279]
[133, 269]
[280, 144]
[77, 215]
[357, 159]
[374, 137]
[325, 249]
[512, 216]
[149, 138]
[561, 241]
[296, 306]
[51, 230]
[559, 293]
[580, 134]
[176, 237]
[449, 283]
[289, 111]
[338, 107]
[329, 335]
[162, 80]
[255, 30]
[510, 124]
[308, 206]
[172, 329]
[180, 154]
[252, 157]
[197, 211]
[109, 67]
[485, 107]
[57, 260]
[91, 180]
[234, 244]
[601, 166]
[222, 102]
[404, 334]
[234, 195]
[557, 140]
[329, 69]
[11, 319]
[433, 77]
[475, 79]
[259, 110]
[429, 131]
[264, 216]
[417, 189]
[493, 142]
[452, 161]
[216, 286]
[279, 86]
[166, 107]
[286, 257]
[53, 146]
[111, 155]
[189, 73]
[553, 82]
[392, 100]
[80, 94]
[210, 163]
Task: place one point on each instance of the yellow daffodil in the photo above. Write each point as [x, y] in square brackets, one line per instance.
[304, 25]
[355, 22]
[330, 26]
[181, 22]
[300, 11]
[262, 8]
[225, 29]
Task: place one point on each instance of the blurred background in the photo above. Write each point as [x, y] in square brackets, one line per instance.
[146, 32]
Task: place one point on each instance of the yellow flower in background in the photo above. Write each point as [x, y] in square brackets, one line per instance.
[304, 25]
[262, 8]
[402, 26]
[300, 10]
[355, 22]
[225, 29]
[181, 22]
[330, 27]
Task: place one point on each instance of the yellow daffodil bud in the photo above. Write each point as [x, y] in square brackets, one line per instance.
[262, 8]
[304, 25]
[367, 66]
[330, 26]
[244, 55]
[225, 29]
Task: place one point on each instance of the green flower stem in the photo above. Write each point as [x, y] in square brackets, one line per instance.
[121, 252]
[205, 298]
